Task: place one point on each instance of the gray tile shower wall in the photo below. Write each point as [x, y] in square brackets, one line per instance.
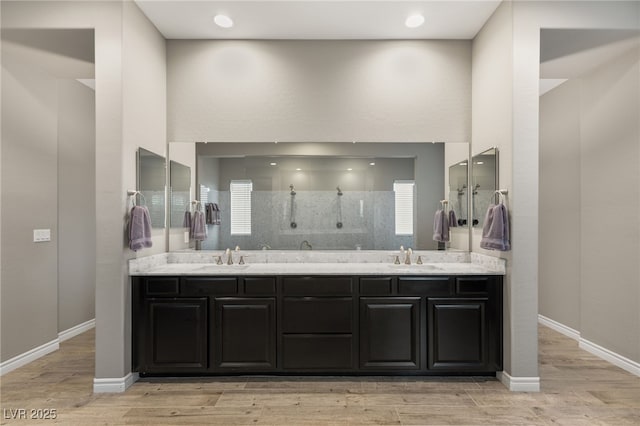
[367, 218]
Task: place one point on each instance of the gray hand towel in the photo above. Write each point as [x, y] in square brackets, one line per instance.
[139, 228]
[495, 232]
[440, 226]
[186, 222]
[198, 231]
[453, 220]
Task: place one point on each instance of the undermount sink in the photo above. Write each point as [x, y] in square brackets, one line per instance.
[213, 267]
[424, 266]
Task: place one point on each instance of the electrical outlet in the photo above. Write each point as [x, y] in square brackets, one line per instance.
[41, 235]
[186, 236]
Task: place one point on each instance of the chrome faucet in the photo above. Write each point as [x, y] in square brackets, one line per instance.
[265, 246]
[407, 259]
[229, 254]
[306, 244]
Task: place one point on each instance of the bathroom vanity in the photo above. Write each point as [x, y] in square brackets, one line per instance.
[194, 318]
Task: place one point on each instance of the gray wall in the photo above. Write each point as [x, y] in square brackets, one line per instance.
[255, 91]
[559, 276]
[76, 197]
[590, 158]
[29, 200]
[127, 48]
[506, 62]
[492, 126]
[48, 146]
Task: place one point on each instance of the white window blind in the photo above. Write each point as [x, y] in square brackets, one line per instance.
[241, 206]
[204, 194]
[403, 190]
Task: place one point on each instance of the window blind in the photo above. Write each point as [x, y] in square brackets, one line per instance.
[404, 206]
[240, 206]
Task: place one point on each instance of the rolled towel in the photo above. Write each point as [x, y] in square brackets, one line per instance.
[139, 228]
[495, 231]
[453, 221]
[440, 226]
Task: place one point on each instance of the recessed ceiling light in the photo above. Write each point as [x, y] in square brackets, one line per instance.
[414, 21]
[372, 164]
[223, 21]
[349, 169]
[273, 164]
[298, 169]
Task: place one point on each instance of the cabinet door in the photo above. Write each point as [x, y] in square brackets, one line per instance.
[389, 333]
[457, 334]
[176, 335]
[245, 333]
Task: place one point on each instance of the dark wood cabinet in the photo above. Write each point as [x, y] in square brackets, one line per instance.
[318, 324]
[395, 324]
[390, 333]
[176, 335]
[245, 337]
[463, 335]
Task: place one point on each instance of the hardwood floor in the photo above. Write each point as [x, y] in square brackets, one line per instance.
[577, 389]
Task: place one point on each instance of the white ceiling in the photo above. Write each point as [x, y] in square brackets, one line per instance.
[318, 20]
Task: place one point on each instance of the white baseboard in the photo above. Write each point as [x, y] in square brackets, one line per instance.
[29, 356]
[114, 385]
[559, 327]
[78, 329]
[616, 359]
[612, 357]
[519, 384]
[47, 348]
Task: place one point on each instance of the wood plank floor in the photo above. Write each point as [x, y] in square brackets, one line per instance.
[577, 389]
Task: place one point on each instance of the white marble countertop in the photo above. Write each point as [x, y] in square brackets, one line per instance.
[202, 263]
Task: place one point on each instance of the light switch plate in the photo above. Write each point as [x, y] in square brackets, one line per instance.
[186, 236]
[41, 235]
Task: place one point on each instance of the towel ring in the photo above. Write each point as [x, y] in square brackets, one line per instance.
[133, 193]
[502, 195]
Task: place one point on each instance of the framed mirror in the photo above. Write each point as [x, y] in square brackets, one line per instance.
[458, 194]
[179, 193]
[484, 183]
[151, 176]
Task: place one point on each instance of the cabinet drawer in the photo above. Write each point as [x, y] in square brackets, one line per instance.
[316, 286]
[467, 286]
[424, 286]
[209, 286]
[372, 286]
[308, 351]
[259, 286]
[162, 286]
[317, 315]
